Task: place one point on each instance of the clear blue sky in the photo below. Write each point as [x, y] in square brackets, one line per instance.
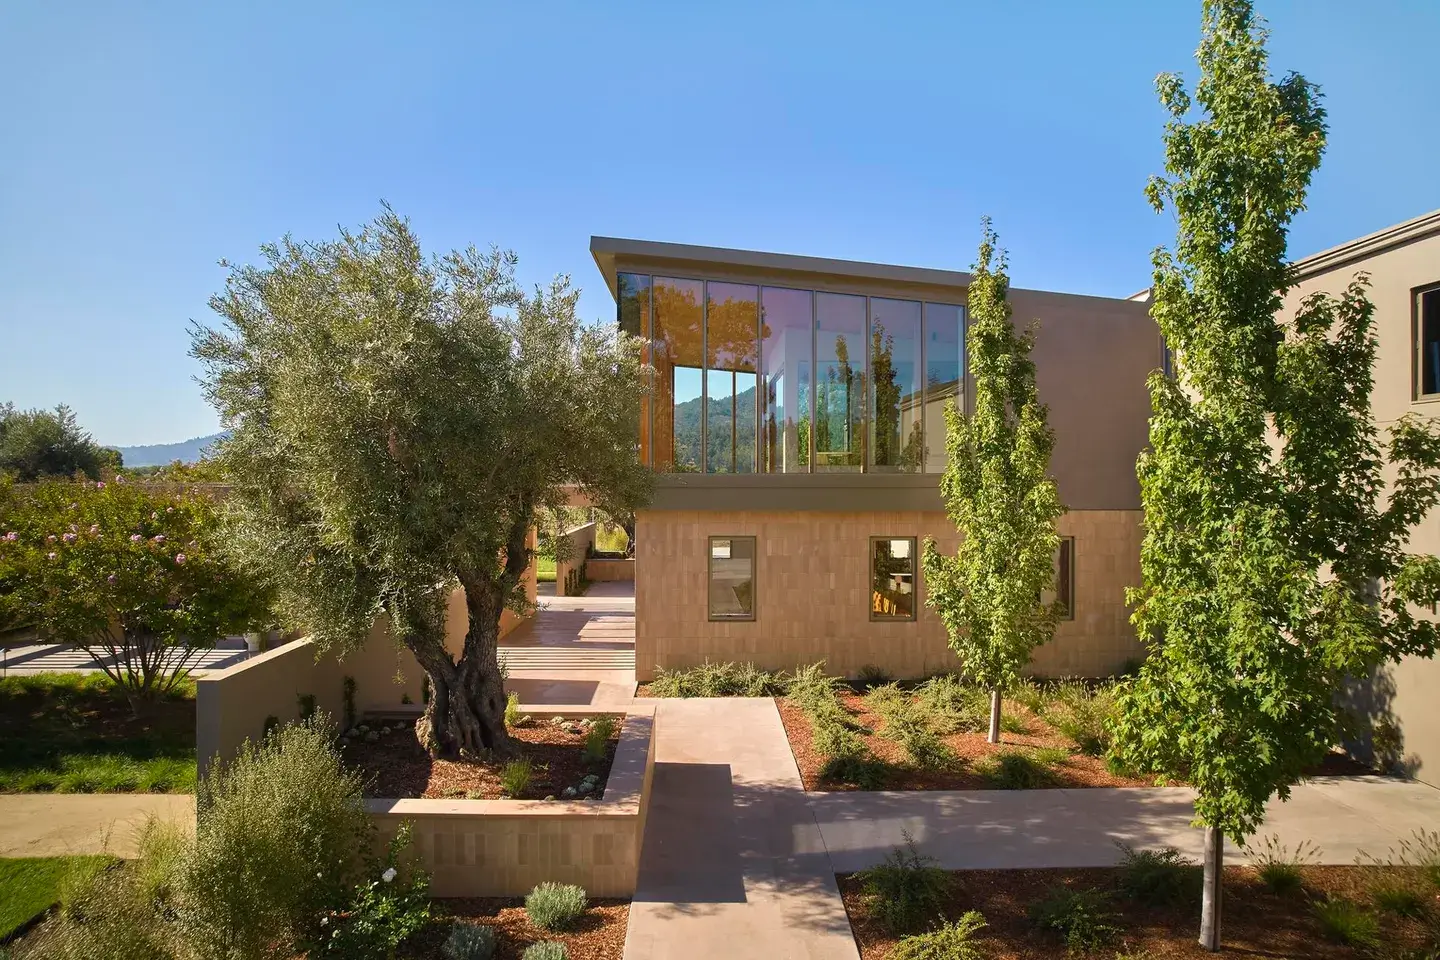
[141, 142]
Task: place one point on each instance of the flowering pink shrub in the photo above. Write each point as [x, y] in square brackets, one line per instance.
[102, 567]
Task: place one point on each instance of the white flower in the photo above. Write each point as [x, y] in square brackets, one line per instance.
[388, 875]
[324, 921]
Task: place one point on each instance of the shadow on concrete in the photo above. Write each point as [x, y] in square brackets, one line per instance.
[537, 691]
[691, 852]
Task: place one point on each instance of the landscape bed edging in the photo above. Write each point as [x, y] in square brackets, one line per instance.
[503, 848]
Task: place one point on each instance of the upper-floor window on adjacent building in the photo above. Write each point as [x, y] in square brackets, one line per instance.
[753, 379]
[1427, 341]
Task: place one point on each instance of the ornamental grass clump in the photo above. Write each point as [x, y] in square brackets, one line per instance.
[1087, 715]
[1158, 877]
[515, 777]
[1278, 866]
[555, 906]
[717, 680]
[597, 739]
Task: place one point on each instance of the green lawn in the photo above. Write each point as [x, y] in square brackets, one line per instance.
[74, 733]
[544, 569]
[31, 885]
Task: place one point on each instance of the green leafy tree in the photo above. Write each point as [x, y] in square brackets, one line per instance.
[1274, 563]
[49, 443]
[1000, 496]
[133, 577]
[399, 421]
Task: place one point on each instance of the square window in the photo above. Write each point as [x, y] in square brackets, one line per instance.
[1427, 341]
[732, 578]
[892, 578]
[1064, 590]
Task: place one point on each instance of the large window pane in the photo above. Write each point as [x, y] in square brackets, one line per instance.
[1064, 590]
[839, 381]
[895, 431]
[632, 296]
[678, 310]
[892, 578]
[786, 343]
[1429, 342]
[944, 376]
[731, 329]
[732, 578]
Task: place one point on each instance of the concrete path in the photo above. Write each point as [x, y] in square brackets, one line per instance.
[575, 651]
[56, 824]
[733, 864]
[62, 658]
[978, 829]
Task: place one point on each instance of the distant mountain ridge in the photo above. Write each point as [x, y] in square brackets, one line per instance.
[162, 454]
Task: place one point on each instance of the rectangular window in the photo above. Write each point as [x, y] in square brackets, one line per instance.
[1064, 579]
[839, 382]
[944, 376]
[892, 578]
[896, 445]
[632, 296]
[732, 323]
[1427, 341]
[678, 314]
[786, 346]
[732, 578]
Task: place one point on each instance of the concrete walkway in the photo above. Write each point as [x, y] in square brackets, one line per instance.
[57, 824]
[733, 864]
[62, 658]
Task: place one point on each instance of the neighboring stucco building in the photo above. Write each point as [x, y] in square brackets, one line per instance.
[797, 431]
[1403, 262]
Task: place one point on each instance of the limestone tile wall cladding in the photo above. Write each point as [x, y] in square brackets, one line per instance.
[812, 594]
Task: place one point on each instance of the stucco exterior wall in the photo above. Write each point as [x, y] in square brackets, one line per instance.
[581, 540]
[1405, 693]
[600, 571]
[812, 594]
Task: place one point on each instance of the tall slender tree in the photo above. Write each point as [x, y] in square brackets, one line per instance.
[398, 421]
[1274, 561]
[999, 493]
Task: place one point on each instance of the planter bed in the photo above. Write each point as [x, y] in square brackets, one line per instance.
[968, 769]
[1255, 921]
[598, 935]
[396, 766]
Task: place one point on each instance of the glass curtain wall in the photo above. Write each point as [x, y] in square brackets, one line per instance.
[896, 439]
[944, 376]
[633, 297]
[839, 382]
[678, 314]
[732, 320]
[777, 380]
[786, 342]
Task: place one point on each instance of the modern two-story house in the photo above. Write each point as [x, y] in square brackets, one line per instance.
[796, 429]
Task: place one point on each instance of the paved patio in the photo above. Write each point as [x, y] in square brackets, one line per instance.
[576, 651]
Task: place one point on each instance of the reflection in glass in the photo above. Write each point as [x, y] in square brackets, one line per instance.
[731, 328]
[785, 319]
[892, 578]
[839, 381]
[677, 310]
[895, 431]
[944, 376]
[1064, 579]
[632, 295]
[732, 578]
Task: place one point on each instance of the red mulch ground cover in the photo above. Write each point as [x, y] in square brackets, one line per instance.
[598, 935]
[1079, 770]
[397, 766]
[1255, 922]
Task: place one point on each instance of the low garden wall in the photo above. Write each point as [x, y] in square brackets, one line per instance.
[503, 848]
[597, 569]
[234, 704]
[582, 541]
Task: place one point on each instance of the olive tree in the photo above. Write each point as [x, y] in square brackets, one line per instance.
[1274, 562]
[999, 494]
[399, 420]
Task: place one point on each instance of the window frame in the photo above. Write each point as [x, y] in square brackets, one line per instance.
[710, 614]
[1417, 344]
[1069, 607]
[914, 573]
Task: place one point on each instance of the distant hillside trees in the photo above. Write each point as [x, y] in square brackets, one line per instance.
[49, 443]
